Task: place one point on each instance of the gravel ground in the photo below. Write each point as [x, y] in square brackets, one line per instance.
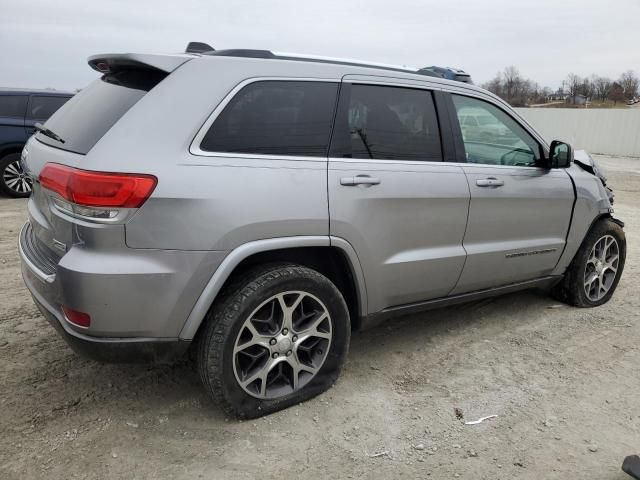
[563, 381]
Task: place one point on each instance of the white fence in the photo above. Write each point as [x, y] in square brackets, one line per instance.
[606, 131]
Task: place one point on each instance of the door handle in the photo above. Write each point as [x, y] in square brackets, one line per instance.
[489, 182]
[359, 180]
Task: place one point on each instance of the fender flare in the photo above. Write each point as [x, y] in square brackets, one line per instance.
[237, 255]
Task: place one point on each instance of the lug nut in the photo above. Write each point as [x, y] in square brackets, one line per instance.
[275, 355]
[289, 353]
[285, 331]
[273, 341]
[295, 338]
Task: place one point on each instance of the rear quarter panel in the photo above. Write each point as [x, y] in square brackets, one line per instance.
[209, 202]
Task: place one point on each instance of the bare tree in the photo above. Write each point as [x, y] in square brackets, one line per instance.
[629, 82]
[586, 88]
[511, 86]
[494, 85]
[573, 84]
[512, 81]
[602, 87]
[616, 93]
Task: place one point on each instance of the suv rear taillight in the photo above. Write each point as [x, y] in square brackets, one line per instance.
[96, 194]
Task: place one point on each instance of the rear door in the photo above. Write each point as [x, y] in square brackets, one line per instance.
[391, 196]
[519, 213]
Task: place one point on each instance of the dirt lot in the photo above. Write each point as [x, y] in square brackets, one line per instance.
[564, 383]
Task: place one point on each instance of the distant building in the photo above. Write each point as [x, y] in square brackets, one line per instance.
[557, 97]
[578, 100]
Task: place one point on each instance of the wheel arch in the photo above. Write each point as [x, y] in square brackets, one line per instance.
[564, 263]
[333, 257]
[10, 148]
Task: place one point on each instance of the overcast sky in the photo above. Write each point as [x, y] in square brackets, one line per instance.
[45, 43]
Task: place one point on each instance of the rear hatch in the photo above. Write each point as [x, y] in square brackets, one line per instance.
[81, 123]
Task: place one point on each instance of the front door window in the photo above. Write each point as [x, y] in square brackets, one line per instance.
[492, 137]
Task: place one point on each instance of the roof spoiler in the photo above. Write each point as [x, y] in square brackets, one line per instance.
[199, 47]
[113, 62]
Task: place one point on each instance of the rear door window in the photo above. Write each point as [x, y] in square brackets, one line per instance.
[384, 122]
[42, 107]
[275, 118]
[89, 114]
[13, 105]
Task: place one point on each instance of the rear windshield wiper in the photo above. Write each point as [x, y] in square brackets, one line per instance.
[45, 131]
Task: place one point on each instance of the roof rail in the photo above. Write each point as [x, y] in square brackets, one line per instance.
[268, 54]
[433, 71]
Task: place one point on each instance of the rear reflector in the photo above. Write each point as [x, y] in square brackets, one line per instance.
[80, 319]
[97, 189]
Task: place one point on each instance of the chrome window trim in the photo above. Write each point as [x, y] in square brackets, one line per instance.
[383, 161]
[194, 147]
[521, 171]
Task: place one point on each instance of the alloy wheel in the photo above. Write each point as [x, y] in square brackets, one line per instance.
[282, 345]
[16, 179]
[602, 267]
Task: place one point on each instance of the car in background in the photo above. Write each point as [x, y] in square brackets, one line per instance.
[20, 110]
[480, 126]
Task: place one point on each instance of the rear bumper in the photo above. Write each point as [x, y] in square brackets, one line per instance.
[117, 350]
[104, 349]
[138, 300]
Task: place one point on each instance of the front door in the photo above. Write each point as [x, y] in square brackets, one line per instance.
[519, 212]
[391, 196]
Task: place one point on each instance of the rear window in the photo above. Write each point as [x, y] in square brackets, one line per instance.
[86, 117]
[276, 118]
[42, 107]
[13, 105]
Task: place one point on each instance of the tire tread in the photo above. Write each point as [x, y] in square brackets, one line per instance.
[224, 313]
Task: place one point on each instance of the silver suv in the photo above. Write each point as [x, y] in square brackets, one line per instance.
[259, 207]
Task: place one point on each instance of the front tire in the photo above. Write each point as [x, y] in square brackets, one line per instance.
[596, 269]
[276, 337]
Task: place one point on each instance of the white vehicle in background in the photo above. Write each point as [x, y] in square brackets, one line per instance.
[478, 126]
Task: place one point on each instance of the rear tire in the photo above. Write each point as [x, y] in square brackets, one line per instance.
[13, 180]
[277, 336]
[596, 269]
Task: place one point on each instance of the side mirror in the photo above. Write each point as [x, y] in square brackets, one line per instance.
[560, 155]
